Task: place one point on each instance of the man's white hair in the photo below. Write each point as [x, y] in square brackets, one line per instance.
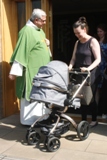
[37, 13]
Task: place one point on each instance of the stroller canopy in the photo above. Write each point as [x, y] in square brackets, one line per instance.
[51, 83]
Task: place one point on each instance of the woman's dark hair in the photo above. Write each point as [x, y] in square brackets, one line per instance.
[103, 27]
[82, 23]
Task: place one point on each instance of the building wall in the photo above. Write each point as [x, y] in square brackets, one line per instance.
[1, 78]
[8, 37]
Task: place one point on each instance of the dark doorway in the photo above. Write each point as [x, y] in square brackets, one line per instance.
[65, 13]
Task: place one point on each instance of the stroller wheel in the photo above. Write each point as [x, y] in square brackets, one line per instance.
[33, 138]
[28, 132]
[83, 130]
[53, 144]
[45, 143]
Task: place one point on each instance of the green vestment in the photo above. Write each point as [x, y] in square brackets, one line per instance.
[31, 52]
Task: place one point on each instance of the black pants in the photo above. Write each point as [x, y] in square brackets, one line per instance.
[92, 108]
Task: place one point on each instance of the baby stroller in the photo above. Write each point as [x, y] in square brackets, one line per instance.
[58, 88]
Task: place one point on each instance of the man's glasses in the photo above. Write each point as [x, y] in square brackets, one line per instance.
[42, 20]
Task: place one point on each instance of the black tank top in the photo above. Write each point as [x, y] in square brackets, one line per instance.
[84, 55]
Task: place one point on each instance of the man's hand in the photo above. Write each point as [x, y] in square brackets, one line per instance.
[47, 42]
[12, 77]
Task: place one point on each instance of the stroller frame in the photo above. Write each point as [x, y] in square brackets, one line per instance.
[60, 122]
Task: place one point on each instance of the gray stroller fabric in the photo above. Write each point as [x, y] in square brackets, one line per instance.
[50, 85]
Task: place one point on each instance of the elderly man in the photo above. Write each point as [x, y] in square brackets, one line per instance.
[31, 52]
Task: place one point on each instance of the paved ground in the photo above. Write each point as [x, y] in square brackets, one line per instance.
[14, 146]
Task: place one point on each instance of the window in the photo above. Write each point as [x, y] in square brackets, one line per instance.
[36, 4]
[21, 14]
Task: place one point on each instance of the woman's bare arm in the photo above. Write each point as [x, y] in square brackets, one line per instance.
[96, 52]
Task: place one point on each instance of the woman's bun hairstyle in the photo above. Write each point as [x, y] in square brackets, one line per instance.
[82, 20]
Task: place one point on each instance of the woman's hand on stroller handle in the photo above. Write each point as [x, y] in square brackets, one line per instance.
[82, 70]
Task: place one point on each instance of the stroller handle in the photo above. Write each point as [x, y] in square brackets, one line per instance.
[78, 71]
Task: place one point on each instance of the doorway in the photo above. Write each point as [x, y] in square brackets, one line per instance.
[65, 13]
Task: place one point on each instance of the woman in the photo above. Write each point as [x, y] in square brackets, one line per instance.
[86, 56]
[102, 87]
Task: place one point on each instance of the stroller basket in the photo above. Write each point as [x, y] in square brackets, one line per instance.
[79, 87]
